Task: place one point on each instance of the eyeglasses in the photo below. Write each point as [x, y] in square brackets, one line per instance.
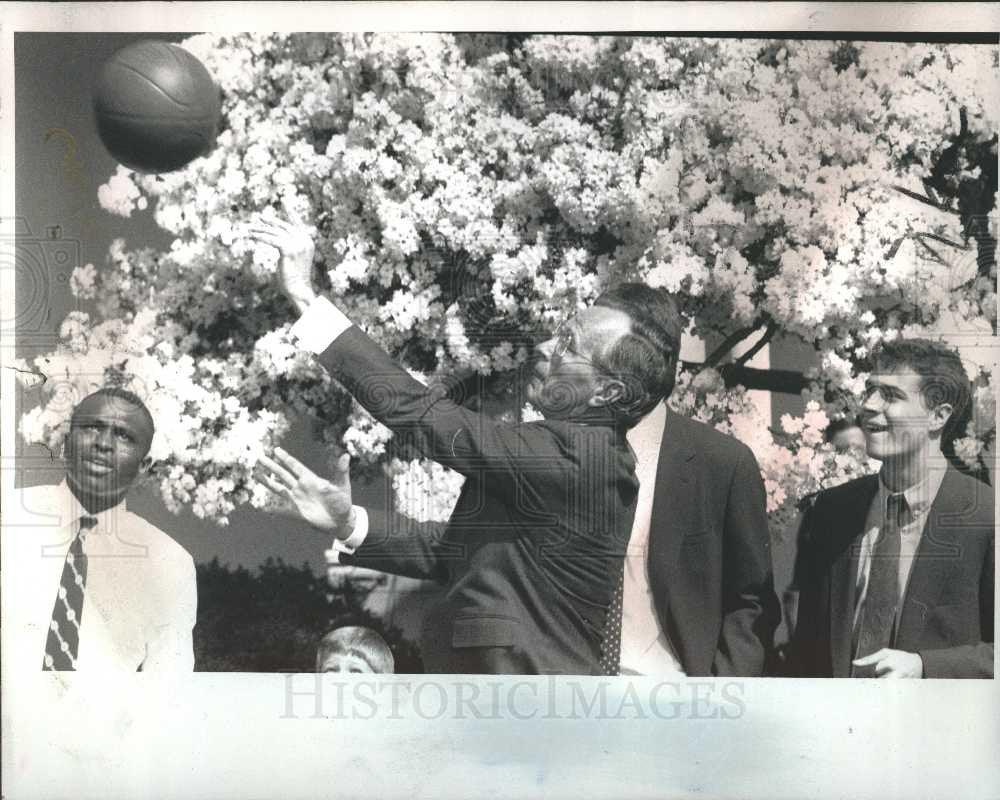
[564, 341]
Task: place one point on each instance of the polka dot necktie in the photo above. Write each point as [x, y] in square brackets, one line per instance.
[63, 643]
[611, 641]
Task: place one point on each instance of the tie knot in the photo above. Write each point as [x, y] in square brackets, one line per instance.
[897, 510]
[86, 523]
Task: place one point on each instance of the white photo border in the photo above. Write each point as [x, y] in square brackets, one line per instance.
[258, 735]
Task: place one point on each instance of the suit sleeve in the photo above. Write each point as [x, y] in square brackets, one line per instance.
[402, 546]
[170, 647]
[750, 610]
[437, 427]
[806, 633]
[971, 660]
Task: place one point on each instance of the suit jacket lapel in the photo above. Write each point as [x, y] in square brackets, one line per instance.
[676, 451]
[844, 573]
[669, 516]
[935, 557]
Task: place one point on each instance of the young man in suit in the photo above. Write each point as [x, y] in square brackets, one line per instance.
[88, 585]
[896, 572]
[709, 581]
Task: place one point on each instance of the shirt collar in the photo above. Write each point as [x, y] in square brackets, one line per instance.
[920, 496]
[73, 509]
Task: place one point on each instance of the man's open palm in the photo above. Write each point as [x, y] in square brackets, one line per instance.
[324, 504]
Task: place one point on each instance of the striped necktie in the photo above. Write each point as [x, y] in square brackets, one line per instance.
[62, 646]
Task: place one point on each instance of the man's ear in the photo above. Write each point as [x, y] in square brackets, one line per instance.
[145, 464]
[609, 391]
[939, 416]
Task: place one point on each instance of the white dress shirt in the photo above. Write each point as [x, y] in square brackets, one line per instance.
[646, 648]
[919, 499]
[318, 327]
[140, 597]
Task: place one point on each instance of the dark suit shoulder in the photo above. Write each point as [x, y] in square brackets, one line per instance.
[710, 443]
[962, 493]
[564, 427]
[837, 515]
[565, 432]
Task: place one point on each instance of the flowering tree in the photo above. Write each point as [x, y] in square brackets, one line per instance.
[471, 191]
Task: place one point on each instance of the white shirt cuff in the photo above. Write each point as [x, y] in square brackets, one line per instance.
[358, 535]
[320, 325]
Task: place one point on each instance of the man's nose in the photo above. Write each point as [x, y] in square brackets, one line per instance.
[104, 440]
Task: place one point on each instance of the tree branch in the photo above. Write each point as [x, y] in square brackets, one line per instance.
[730, 342]
[921, 198]
[771, 380]
[936, 238]
[772, 329]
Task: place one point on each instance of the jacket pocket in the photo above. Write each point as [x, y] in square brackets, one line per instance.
[484, 632]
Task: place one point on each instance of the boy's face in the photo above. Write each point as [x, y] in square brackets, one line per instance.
[345, 662]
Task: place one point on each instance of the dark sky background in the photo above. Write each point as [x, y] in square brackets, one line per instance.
[60, 164]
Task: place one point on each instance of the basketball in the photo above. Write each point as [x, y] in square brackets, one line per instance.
[157, 107]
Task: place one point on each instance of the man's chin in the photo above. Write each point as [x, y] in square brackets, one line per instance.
[98, 488]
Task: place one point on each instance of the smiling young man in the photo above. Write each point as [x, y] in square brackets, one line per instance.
[88, 585]
[896, 574]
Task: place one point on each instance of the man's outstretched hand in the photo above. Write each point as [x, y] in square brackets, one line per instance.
[294, 240]
[323, 504]
[893, 663]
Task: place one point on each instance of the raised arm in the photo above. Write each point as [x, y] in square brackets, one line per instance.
[379, 540]
[402, 546]
[437, 427]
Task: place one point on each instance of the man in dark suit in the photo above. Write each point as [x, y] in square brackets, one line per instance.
[696, 596]
[532, 555]
[698, 593]
[896, 572]
[707, 606]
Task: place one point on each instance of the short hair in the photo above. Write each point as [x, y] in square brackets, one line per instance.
[646, 358]
[839, 425]
[122, 394]
[359, 641]
[943, 378]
